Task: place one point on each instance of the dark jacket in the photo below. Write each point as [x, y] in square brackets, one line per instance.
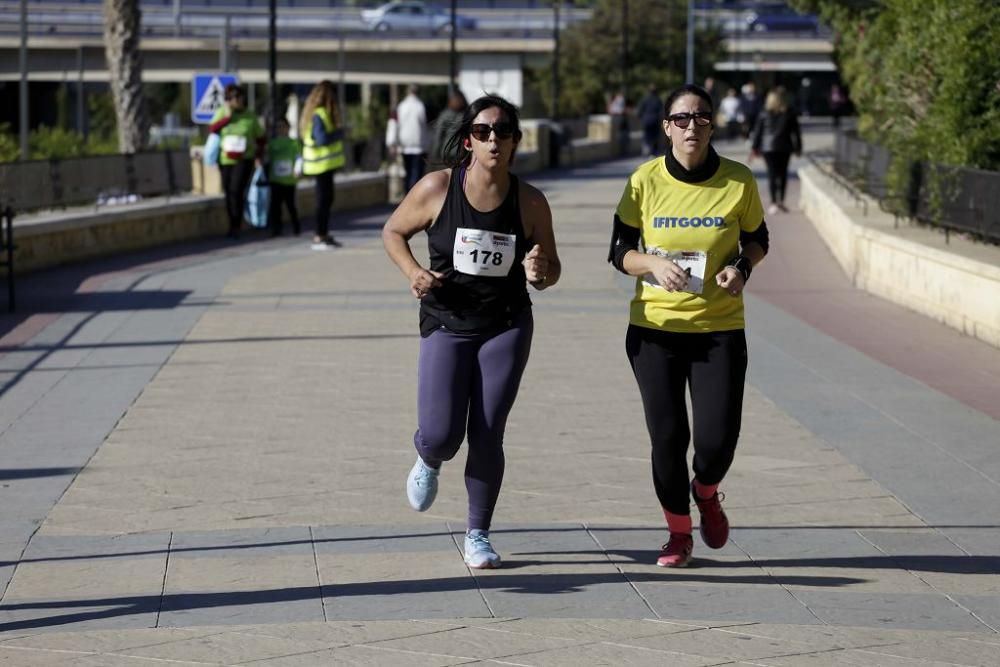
[777, 132]
[651, 110]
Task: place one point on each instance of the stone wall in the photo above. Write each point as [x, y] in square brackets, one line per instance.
[955, 282]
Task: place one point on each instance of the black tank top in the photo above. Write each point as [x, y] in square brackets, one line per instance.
[468, 303]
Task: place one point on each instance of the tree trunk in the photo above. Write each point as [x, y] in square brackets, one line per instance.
[122, 24]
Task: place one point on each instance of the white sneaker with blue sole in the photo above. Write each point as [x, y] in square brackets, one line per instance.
[479, 553]
[422, 485]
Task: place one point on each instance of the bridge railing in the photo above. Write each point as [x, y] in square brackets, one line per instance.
[953, 198]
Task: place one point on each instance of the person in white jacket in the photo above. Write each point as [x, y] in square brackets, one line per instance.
[413, 136]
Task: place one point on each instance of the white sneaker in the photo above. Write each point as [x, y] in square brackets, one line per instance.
[422, 485]
[479, 553]
[772, 209]
[320, 246]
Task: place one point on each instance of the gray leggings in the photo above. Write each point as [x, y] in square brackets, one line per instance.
[471, 378]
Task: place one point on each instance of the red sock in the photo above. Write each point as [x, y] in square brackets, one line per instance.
[705, 491]
[678, 523]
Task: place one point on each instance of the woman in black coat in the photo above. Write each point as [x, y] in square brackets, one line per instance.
[776, 135]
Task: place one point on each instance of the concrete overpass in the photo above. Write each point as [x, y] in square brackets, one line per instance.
[366, 60]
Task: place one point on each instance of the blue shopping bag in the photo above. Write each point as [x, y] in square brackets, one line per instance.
[258, 199]
[210, 153]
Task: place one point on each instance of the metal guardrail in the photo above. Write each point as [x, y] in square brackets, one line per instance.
[44, 184]
[65, 18]
[953, 198]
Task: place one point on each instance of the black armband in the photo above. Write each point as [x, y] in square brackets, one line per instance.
[623, 239]
[742, 264]
[760, 236]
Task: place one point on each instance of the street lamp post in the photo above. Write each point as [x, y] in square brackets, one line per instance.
[625, 47]
[555, 60]
[453, 55]
[272, 67]
[23, 88]
[689, 73]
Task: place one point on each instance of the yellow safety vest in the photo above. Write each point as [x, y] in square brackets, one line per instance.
[320, 159]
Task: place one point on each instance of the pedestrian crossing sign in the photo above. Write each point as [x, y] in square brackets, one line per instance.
[207, 94]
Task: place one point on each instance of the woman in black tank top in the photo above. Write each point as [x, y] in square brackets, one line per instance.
[489, 235]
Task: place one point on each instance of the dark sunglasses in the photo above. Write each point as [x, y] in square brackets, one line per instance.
[682, 120]
[503, 130]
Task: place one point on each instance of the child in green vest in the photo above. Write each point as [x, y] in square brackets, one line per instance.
[282, 152]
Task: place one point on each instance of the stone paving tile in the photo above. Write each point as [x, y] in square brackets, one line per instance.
[226, 647]
[362, 656]
[986, 607]
[94, 578]
[399, 586]
[105, 641]
[846, 658]
[748, 603]
[609, 654]
[722, 646]
[901, 610]
[977, 540]
[483, 642]
[974, 651]
[587, 629]
[348, 633]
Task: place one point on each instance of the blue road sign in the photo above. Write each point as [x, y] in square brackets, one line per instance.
[208, 94]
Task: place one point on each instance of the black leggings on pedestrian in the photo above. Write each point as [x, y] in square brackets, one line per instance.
[777, 174]
[713, 365]
[324, 202]
[282, 195]
[235, 183]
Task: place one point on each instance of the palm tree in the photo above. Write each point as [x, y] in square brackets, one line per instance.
[122, 21]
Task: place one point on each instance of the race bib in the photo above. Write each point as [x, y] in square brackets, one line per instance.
[691, 262]
[283, 167]
[234, 144]
[481, 253]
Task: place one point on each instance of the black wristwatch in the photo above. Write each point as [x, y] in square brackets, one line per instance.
[742, 264]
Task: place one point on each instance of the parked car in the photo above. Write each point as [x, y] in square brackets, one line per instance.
[781, 19]
[414, 16]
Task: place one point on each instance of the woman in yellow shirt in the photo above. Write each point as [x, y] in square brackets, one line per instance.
[700, 224]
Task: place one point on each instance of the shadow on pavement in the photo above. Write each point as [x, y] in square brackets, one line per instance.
[520, 584]
[31, 473]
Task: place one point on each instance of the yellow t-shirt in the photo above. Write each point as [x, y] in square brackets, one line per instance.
[702, 220]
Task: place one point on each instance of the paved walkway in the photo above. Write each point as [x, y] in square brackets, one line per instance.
[203, 453]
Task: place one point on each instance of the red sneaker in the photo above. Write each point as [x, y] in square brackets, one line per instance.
[714, 524]
[677, 551]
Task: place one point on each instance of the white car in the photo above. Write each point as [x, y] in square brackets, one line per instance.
[414, 16]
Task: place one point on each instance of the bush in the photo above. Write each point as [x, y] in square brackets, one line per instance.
[55, 142]
[9, 148]
[923, 77]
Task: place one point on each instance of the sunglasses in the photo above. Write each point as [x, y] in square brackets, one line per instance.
[482, 131]
[682, 120]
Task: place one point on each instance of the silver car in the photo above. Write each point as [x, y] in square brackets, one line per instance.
[413, 16]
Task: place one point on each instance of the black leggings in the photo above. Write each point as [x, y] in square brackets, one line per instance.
[235, 182]
[324, 202]
[714, 366]
[777, 174]
[282, 195]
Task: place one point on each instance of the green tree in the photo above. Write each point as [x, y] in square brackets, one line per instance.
[923, 75]
[590, 54]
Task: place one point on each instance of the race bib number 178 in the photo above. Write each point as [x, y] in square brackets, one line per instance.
[479, 252]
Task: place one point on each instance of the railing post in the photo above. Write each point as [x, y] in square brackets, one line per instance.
[8, 214]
